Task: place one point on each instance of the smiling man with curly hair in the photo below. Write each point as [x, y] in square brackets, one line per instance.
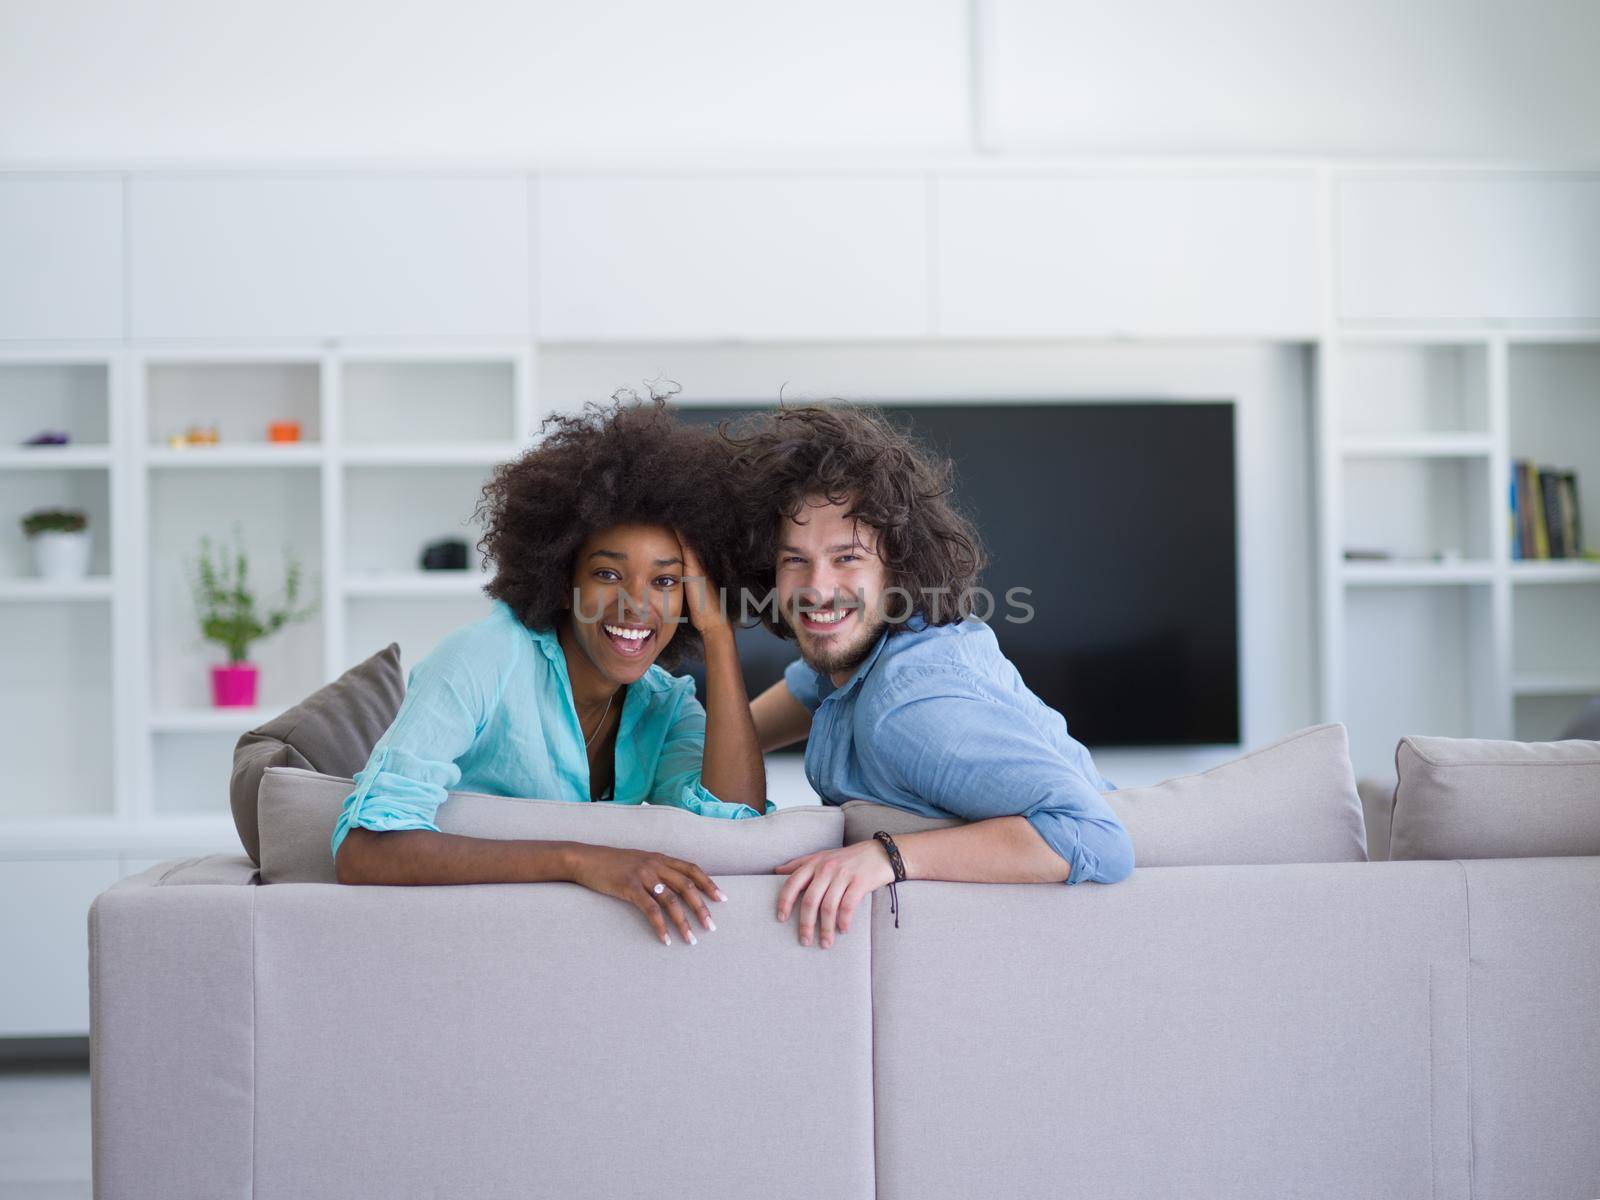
[905, 696]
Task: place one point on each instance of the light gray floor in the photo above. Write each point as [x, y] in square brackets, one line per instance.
[44, 1132]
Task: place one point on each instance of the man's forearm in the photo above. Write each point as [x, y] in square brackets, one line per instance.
[999, 850]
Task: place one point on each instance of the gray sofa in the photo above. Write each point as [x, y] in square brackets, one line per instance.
[1412, 1030]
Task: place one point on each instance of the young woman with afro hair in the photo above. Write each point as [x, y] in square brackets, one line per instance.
[610, 538]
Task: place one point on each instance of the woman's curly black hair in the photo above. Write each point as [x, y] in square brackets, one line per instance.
[610, 464]
[850, 453]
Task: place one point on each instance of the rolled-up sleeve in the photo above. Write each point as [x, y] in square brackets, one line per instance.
[678, 770]
[956, 749]
[412, 767]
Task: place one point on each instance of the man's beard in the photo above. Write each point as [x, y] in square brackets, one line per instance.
[836, 658]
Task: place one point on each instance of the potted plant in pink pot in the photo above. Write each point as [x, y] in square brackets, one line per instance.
[226, 605]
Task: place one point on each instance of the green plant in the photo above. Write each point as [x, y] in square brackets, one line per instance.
[54, 520]
[226, 604]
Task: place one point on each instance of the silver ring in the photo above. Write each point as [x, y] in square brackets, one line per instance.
[659, 888]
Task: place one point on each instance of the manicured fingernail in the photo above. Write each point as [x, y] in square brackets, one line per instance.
[665, 940]
[692, 940]
[711, 925]
[720, 896]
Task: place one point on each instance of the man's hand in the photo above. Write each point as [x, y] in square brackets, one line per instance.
[829, 884]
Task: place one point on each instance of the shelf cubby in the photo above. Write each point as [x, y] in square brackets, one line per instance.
[410, 403]
[1419, 507]
[74, 396]
[56, 710]
[1417, 660]
[21, 492]
[241, 397]
[189, 771]
[1398, 389]
[392, 512]
[1555, 639]
[274, 508]
[1555, 416]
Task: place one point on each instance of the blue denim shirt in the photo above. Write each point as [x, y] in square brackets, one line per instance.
[490, 710]
[938, 721]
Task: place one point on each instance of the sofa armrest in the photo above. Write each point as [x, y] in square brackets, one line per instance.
[225, 869]
[171, 1030]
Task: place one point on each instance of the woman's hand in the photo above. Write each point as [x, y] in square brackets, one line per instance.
[652, 883]
[701, 595]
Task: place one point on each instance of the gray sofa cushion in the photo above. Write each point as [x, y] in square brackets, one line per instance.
[332, 730]
[299, 809]
[1292, 801]
[1479, 798]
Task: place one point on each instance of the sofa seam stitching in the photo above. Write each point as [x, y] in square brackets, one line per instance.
[1466, 906]
[872, 1037]
[254, 1089]
[1433, 1099]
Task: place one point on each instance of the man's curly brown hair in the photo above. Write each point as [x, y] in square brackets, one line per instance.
[623, 462]
[852, 454]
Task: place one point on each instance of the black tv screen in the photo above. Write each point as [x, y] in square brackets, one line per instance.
[1119, 519]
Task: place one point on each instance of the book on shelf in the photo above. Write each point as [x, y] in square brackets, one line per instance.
[1546, 521]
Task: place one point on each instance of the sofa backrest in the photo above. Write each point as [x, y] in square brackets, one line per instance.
[1534, 1025]
[318, 1042]
[1250, 1032]
[298, 808]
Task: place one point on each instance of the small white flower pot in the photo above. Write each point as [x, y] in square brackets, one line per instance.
[59, 555]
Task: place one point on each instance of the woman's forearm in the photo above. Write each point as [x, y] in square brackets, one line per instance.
[422, 856]
[733, 769]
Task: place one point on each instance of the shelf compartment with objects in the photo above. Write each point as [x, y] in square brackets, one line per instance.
[262, 408]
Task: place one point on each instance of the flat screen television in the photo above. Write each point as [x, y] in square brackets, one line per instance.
[1119, 519]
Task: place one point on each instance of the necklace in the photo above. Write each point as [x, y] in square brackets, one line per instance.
[588, 741]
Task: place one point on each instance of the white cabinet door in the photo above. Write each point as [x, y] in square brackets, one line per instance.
[346, 256]
[1497, 248]
[732, 256]
[44, 943]
[1107, 255]
[60, 257]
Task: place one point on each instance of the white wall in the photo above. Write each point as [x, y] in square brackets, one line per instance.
[198, 81]
[1270, 385]
[1330, 77]
[195, 82]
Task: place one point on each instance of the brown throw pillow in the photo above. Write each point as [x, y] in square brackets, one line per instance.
[333, 731]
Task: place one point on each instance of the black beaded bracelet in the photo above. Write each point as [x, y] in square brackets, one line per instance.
[899, 867]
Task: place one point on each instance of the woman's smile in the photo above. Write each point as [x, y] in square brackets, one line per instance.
[631, 641]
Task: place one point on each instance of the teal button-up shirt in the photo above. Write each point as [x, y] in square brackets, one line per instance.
[490, 710]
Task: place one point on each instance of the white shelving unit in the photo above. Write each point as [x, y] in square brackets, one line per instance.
[137, 764]
[1452, 636]
[396, 445]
